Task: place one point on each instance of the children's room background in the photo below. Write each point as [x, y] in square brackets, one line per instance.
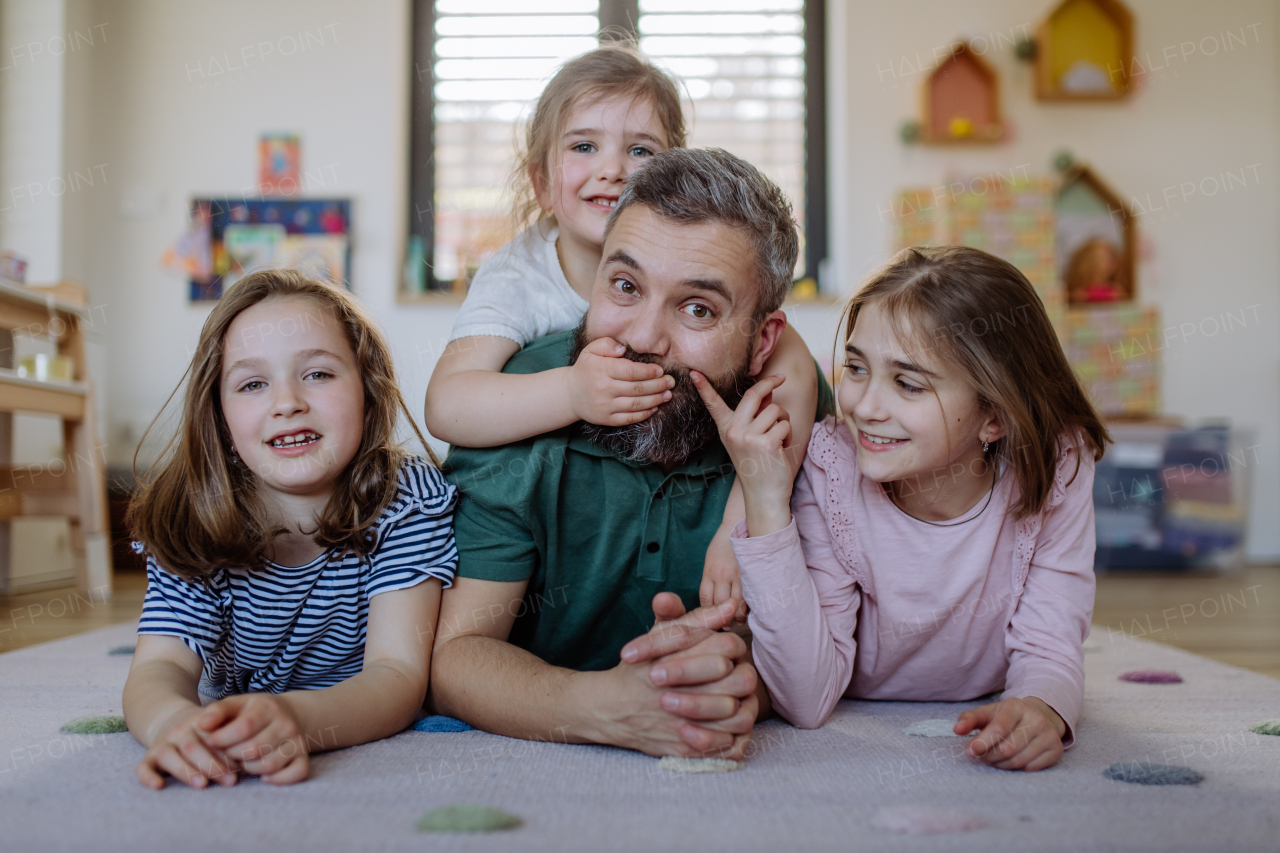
[117, 115]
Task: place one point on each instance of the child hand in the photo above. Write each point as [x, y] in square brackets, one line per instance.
[609, 390]
[756, 436]
[720, 580]
[1017, 734]
[261, 732]
[182, 752]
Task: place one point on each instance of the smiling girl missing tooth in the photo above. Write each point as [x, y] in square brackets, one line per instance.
[295, 553]
[939, 543]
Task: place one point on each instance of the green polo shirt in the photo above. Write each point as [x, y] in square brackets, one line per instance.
[595, 536]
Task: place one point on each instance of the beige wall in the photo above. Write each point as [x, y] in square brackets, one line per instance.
[1197, 117]
[149, 104]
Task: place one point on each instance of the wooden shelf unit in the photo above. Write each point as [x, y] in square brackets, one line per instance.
[76, 488]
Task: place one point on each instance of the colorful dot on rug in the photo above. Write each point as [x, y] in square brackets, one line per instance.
[1146, 773]
[676, 764]
[924, 820]
[1152, 676]
[122, 650]
[1266, 727]
[438, 723]
[932, 728]
[95, 726]
[467, 817]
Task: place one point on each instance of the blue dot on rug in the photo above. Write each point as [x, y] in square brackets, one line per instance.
[1152, 676]
[1146, 773]
[438, 723]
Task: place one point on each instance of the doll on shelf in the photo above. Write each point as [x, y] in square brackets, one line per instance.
[1093, 273]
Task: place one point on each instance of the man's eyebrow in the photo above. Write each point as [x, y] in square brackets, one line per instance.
[898, 363]
[621, 257]
[714, 285]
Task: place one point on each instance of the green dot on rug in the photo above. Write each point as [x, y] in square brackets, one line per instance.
[95, 726]
[1266, 727]
[467, 817]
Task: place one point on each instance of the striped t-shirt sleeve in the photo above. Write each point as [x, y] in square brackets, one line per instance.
[179, 608]
[420, 543]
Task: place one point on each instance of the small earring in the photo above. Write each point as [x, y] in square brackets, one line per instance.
[235, 457]
[984, 447]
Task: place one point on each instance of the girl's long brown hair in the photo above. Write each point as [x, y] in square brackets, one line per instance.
[980, 313]
[198, 511]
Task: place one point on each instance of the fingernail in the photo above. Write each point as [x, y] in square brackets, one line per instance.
[666, 395]
[669, 702]
[629, 654]
[658, 675]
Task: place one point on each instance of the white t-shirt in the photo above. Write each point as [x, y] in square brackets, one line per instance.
[521, 292]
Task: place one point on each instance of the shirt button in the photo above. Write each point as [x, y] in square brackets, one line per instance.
[652, 547]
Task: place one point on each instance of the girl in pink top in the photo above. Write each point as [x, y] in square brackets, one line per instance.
[938, 544]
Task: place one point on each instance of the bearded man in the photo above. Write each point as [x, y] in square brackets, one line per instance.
[574, 542]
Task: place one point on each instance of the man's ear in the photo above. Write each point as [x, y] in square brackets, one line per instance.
[766, 338]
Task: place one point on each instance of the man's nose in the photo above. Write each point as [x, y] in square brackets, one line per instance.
[647, 332]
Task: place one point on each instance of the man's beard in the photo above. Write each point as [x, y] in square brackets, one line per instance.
[680, 426]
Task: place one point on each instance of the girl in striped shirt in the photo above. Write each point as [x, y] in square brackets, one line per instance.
[295, 552]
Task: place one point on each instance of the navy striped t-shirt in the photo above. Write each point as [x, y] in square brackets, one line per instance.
[297, 628]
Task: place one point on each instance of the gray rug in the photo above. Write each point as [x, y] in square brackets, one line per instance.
[800, 791]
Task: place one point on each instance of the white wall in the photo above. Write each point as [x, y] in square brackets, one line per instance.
[168, 126]
[33, 51]
[1197, 117]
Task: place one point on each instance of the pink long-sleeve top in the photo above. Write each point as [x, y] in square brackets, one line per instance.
[858, 599]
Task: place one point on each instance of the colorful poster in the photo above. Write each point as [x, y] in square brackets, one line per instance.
[244, 234]
[250, 248]
[279, 164]
[322, 256]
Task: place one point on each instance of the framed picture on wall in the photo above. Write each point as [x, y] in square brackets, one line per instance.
[311, 235]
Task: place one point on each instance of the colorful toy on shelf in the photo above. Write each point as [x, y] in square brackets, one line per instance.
[1096, 240]
[1008, 215]
[1115, 350]
[961, 100]
[1083, 50]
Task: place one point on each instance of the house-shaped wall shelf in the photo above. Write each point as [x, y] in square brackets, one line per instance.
[1096, 240]
[961, 101]
[1083, 51]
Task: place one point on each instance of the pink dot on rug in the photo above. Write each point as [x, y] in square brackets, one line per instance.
[1152, 676]
[923, 820]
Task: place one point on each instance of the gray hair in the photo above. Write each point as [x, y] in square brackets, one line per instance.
[710, 184]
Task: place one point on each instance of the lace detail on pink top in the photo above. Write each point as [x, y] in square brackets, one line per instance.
[1027, 531]
[831, 451]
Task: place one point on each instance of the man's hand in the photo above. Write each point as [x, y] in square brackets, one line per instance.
[708, 678]
[182, 752]
[609, 390]
[756, 435]
[1017, 734]
[261, 732]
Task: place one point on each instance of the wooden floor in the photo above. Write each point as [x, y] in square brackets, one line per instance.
[1230, 618]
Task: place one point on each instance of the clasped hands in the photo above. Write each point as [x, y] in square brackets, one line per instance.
[254, 732]
[685, 688]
